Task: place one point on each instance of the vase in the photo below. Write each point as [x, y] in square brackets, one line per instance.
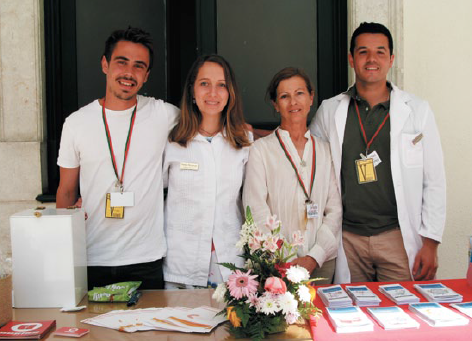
[282, 327]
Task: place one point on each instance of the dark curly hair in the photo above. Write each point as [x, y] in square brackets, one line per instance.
[132, 34]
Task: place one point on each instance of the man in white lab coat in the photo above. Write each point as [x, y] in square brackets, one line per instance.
[389, 165]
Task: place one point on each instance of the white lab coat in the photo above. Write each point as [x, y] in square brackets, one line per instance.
[203, 205]
[417, 169]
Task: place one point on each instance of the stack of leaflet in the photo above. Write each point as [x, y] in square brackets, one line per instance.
[334, 297]
[438, 316]
[362, 295]
[398, 294]
[392, 318]
[187, 320]
[438, 292]
[349, 320]
[464, 308]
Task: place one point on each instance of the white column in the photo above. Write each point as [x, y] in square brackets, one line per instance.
[22, 110]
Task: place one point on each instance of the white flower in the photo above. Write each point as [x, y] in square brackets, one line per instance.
[219, 294]
[291, 318]
[268, 306]
[268, 303]
[296, 274]
[304, 293]
[240, 244]
[248, 229]
[288, 303]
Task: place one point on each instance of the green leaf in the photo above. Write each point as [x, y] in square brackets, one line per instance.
[232, 267]
[249, 218]
[245, 316]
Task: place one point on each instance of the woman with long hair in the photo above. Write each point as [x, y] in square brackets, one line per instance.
[204, 166]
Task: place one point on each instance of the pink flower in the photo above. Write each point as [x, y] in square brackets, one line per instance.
[271, 244]
[272, 223]
[297, 238]
[252, 300]
[291, 318]
[275, 285]
[258, 234]
[242, 284]
[254, 243]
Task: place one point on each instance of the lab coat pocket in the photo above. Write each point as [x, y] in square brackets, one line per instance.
[412, 150]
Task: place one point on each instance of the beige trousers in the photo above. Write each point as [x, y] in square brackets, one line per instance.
[379, 258]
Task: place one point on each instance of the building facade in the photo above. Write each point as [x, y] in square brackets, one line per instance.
[433, 58]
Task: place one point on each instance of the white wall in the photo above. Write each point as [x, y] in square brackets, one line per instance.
[438, 67]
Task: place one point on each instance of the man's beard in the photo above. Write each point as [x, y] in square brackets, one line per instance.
[123, 96]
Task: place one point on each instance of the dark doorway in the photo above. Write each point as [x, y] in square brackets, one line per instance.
[76, 30]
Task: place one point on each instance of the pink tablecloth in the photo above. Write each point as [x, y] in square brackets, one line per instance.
[325, 331]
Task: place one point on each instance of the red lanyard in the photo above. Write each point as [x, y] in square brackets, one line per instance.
[110, 145]
[313, 165]
[363, 131]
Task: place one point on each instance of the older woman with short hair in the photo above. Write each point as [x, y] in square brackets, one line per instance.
[290, 174]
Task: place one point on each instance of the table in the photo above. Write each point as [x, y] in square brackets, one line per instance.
[150, 298]
[195, 298]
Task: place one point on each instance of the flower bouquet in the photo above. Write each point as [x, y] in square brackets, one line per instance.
[269, 293]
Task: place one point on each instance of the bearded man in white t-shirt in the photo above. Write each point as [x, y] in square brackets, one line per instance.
[113, 149]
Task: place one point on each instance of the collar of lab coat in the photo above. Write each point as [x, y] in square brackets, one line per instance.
[399, 112]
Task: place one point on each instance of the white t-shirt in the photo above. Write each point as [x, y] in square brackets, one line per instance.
[203, 204]
[139, 237]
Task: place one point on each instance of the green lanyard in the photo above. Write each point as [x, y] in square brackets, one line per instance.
[110, 144]
[313, 166]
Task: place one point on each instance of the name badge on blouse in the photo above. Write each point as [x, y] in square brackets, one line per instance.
[311, 210]
[189, 166]
[365, 171]
[125, 199]
[116, 212]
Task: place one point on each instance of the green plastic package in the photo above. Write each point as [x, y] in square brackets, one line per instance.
[117, 292]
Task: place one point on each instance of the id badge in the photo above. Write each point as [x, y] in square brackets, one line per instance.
[117, 212]
[311, 210]
[374, 156]
[365, 171]
[125, 199]
[189, 166]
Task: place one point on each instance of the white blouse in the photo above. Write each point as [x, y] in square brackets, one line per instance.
[272, 187]
[204, 183]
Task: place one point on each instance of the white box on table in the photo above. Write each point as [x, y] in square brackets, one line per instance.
[49, 257]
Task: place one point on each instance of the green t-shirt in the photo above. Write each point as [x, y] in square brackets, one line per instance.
[370, 208]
